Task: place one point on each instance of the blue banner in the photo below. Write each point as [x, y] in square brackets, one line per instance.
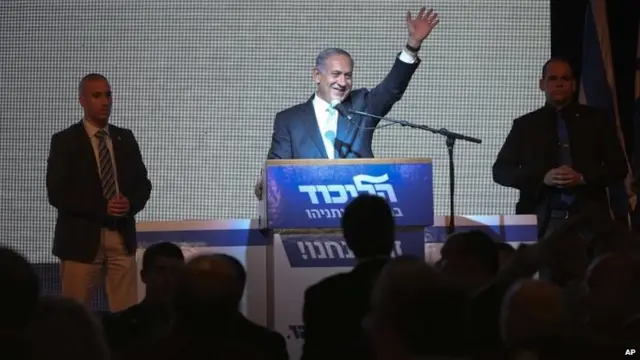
[598, 88]
[303, 196]
[331, 250]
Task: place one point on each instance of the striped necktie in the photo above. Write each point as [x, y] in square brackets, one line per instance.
[106, 166]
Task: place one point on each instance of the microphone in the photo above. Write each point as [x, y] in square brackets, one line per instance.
[341, 109]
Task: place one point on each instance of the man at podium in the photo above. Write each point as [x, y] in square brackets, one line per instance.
[316, 130]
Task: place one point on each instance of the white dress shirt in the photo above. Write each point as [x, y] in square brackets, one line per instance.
[328, 117]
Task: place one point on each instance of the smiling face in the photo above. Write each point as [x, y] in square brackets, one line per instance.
[334, 77]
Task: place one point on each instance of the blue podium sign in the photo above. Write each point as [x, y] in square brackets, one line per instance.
[304, 194]
[331, 250]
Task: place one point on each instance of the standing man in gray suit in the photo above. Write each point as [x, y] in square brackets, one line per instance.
[97, 181]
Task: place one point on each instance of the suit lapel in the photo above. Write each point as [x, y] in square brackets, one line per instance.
[312, 129]
[86, 152]
[549, 137]
[346, 129]
[344, 125]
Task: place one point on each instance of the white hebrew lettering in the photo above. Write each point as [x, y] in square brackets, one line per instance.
[388, 190]
[322, 254]
[397, 251]
[311, 190]
[342, 194]
[351, 189]
[310, 249]
[348, 253]
[359, 180]
[325, 193]
[303, 252]
[337, 213]
[332, 246]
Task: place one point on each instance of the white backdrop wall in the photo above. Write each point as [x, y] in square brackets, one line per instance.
[199, 83]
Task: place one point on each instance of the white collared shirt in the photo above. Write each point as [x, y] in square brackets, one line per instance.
[91, 131]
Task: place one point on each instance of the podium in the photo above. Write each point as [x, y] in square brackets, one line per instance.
[303, 203]
[296, 241]
[312, 194]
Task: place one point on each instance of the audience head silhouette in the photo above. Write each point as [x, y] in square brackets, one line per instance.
[368, 227]
[533, 312]
[414, 312]
[20, 290]
[505, 252]
[470, 259]
[63, 328]
[240, 273]
[612, 292]
[161, 265]
[208, 293]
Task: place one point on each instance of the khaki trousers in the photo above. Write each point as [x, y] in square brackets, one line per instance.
[80, 280]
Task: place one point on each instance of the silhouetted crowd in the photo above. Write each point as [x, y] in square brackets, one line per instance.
[564, 297]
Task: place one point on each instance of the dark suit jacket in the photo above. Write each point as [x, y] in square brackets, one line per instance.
[269, 344]
[531, 150]
[135, 327]
[296, 134]
[74, 189]
[333, 314]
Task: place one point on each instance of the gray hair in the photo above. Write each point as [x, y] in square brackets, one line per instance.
[321, 59]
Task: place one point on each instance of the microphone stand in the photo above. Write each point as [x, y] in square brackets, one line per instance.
[451, 138]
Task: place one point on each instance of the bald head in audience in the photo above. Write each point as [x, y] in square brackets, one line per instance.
[63, 328]
[402, 321]
[209, 291]
[612, 289]
[470, 259]
[206, 306]
[615, 238]
[533, 311]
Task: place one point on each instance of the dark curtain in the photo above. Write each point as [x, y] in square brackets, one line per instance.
[567, 25]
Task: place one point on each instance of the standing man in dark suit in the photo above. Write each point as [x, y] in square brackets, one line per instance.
[97, 181]
[315, 130]
[562, 156]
